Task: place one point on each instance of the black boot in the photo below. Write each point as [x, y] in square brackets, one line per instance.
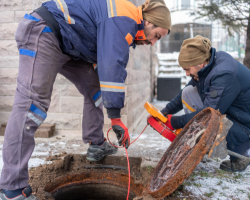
[25, 195]
[97, 152]
[238, 165]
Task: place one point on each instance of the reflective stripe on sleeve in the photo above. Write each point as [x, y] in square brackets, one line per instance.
[64, 8]
[112, 86]
[111, 8]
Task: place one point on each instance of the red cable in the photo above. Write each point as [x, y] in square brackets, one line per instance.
[126, 155]
[128, 173]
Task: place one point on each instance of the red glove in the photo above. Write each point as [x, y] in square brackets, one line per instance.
[168, 123]
[121, 132]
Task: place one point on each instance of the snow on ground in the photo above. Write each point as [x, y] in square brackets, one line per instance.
[168, 56]
[41, 152]
[35, 162]
[206, 181]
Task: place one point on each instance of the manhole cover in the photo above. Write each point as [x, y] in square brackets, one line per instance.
[185, 153]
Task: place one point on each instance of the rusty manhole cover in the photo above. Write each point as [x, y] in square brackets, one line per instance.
[185, 153]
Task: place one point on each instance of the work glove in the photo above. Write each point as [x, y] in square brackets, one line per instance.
[121, 132]
[164, 111]
[168, 123]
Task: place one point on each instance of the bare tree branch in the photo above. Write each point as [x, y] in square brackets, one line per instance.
[233, 2]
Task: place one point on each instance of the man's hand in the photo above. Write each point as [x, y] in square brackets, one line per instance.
[168, 123]
[164, 111]
[121, 132]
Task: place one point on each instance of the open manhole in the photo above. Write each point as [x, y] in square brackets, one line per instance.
[93, 186]
[74, 178]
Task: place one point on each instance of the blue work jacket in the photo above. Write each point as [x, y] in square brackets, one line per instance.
[100, 31]
[224, 84]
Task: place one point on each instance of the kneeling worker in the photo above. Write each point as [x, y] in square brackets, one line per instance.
[220, 82]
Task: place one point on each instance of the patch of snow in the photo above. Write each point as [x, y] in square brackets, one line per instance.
[35, 162]
[168, 56]
[135, 135]
[234, 186]
[172, 69]
[75, 145]
[168, 63]
[37, 153]
[57, 143]
[234, 54]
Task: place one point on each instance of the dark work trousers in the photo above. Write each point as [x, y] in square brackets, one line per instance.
[40, 60]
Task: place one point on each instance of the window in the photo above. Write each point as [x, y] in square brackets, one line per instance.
[185, 4]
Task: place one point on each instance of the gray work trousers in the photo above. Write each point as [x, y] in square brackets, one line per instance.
[191, 100]
[39, 62]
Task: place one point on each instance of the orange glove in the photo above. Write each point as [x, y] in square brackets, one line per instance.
[121, 132]
[168, 123]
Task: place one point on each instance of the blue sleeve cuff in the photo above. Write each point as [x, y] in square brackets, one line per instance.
[114, 113]
[165, 111]
[175, 122]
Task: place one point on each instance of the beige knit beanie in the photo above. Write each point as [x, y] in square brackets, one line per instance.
[194, 51]
[157, 13]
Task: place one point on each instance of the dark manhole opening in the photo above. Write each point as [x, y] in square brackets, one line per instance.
[92, 191]
[74, 178]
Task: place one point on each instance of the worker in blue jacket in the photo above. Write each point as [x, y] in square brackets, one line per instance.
[220, 82]
[87, 41]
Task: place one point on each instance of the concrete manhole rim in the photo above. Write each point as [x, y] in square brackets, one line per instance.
[115, 179]
[194, 158]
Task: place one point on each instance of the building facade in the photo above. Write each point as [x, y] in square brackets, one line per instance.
[185, 26]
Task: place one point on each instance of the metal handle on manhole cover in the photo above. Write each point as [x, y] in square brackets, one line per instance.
[191, 142]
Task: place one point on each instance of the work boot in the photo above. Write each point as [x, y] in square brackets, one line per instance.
[26, 195]
[238, 165]
[97, 152]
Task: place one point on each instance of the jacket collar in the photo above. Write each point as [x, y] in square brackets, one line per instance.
[202, 74]
[140, 24]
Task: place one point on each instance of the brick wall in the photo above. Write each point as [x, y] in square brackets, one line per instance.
[66, 102]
